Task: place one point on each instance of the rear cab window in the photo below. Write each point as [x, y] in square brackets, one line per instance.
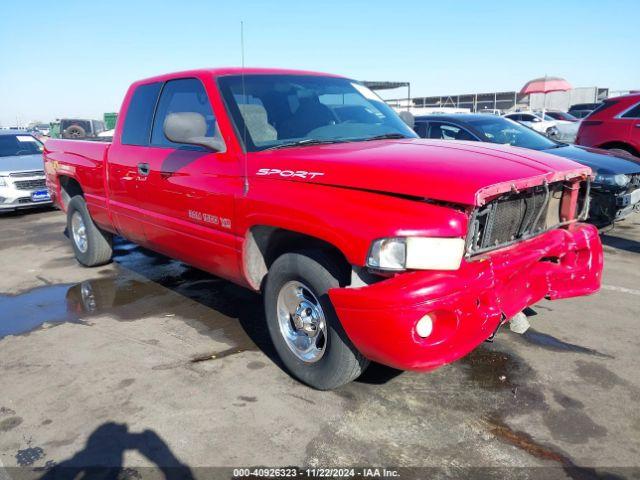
[137, 124]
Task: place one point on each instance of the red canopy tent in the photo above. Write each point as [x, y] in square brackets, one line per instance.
[545, 85]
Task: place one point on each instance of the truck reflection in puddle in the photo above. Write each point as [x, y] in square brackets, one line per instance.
[28, 311]
[207, 304]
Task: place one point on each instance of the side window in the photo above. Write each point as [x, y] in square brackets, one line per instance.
[137, 124]
[515, 118]
[443, 131]
[421, 129]
[633, 113]
[182, 95]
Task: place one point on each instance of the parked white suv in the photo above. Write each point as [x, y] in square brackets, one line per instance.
[22, 181]
[531, 120]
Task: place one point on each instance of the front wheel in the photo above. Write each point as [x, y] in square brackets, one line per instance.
[91, 245]
[303, 325]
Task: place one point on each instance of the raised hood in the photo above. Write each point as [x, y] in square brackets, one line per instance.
[462, 172]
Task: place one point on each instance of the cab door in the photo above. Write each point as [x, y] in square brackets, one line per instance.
[124, 158]
[188, 191]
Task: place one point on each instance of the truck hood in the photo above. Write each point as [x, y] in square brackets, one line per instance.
[21, 163]
[466, 173]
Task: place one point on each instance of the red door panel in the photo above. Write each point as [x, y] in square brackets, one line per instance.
[188, 201]
[123, 181]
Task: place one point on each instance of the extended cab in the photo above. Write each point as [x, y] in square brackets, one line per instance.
[367, 243]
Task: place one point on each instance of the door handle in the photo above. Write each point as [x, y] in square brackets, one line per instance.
[637, 125]
[143, 169]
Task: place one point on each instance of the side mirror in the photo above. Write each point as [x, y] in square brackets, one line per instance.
[408, 118]
[190, 128]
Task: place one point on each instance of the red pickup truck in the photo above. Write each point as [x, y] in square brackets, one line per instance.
[367, 243]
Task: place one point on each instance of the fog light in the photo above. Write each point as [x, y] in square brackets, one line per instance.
[424, 327]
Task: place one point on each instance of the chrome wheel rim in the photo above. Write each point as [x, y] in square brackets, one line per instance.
[302, 321]
[79, 232]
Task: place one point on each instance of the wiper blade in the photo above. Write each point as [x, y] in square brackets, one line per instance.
[386, 136]
[299, 143]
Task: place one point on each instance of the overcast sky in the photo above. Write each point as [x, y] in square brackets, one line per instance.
[76, 58]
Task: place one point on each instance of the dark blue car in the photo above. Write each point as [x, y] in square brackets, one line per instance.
[615, 191]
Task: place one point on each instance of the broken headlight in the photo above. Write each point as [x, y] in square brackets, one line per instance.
[416, 253]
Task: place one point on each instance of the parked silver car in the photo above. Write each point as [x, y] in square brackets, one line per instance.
[22, 181]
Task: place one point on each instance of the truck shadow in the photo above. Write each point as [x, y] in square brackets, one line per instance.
[620, 243]
[103, 456]
[233, 308]
[232, 313]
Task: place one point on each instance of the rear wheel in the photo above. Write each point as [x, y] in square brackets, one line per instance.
[303, 325]
[91, 245]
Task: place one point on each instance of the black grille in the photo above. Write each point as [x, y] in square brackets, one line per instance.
[30, 184]
[514, 216]
[24, 200]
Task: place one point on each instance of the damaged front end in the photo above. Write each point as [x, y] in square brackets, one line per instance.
[522, 246]
[520, 215]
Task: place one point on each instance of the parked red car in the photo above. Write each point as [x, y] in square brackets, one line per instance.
[368, 243]
[615, 124]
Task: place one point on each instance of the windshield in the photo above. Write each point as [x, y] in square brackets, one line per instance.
[15, 145]
[505, 131]
[283, 110]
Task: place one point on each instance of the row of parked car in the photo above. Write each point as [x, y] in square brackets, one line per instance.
[607, 140]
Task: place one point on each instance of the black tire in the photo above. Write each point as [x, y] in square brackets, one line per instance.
[99, 243]
[341, 362]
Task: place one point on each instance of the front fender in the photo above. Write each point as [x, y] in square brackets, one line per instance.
[349, 219]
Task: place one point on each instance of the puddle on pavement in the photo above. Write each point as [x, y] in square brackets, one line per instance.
[28, 311]
[162, 288]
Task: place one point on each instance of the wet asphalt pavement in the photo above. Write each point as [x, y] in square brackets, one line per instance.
[148, 362]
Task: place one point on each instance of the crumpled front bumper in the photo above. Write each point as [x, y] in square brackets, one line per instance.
[467, 305]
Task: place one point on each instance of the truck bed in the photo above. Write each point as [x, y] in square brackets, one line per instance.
[84, 161]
